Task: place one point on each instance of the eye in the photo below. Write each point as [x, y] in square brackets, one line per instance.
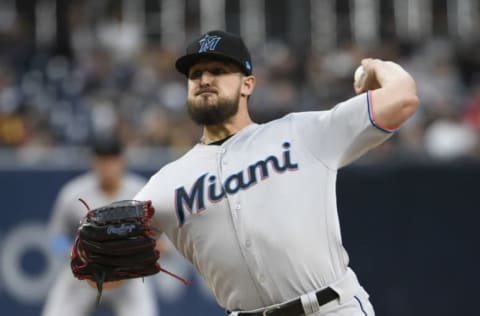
[217, 71]
[195, 74]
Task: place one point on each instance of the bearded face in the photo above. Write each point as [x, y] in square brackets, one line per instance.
[210, 107]
[214, 90]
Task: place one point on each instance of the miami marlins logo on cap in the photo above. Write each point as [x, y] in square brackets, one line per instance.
[208, 43]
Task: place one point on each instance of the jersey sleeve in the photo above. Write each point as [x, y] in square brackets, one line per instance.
[341, 135]
[59, 220]
[155, 191]
[60, 225]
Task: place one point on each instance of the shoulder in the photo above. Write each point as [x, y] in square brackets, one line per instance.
[293, 119]
[134, 180]
[299, 116]
[79, 183]
[75, 187]
[359, 101]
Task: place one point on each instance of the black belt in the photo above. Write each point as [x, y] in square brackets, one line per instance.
[295, 307]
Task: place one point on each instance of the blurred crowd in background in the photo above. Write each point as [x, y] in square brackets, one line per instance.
[97, 74]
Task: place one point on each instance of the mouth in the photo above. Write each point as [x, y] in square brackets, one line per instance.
[206, 91]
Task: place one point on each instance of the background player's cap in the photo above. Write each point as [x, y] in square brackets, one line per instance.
[107, 146]
[216, 45]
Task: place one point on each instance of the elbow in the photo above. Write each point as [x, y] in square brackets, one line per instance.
[409, 106]
[407, 99]
[405, 107]
[394, 105]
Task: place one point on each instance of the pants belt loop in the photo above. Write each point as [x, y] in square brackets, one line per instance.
[346, 287]
[310, 303]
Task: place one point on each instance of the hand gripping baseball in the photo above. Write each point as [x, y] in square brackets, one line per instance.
[114, 243]
[364, 78]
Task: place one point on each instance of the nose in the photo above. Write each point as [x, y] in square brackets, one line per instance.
[206, 79]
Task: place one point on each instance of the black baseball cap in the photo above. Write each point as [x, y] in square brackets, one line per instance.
[107, 146]
[217, 45]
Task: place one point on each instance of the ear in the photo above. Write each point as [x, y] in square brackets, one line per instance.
[248, 85]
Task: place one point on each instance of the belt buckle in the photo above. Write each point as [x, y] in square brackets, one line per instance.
[268, 310]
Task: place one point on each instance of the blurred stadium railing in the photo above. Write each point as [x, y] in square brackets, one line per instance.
[73, 69]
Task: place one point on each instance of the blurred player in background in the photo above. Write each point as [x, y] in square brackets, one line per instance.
[105, 183]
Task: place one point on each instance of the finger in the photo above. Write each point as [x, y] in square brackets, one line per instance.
[359, 77]
[366, 62]
[369, 64]
[357, 89]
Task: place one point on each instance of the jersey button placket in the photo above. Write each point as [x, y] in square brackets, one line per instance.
[222, 154]
[232, 200]
[261, 278]
[234, 207]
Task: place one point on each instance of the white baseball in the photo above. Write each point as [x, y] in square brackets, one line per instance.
[358, 75]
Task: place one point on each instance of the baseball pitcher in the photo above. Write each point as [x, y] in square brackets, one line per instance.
[253, 206]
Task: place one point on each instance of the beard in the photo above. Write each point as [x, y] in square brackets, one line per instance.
[203, 113]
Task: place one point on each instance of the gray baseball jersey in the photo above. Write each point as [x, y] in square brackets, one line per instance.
[135, 298]
[257, 215]
[68, 211]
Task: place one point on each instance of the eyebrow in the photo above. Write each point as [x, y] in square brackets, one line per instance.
[230, 67]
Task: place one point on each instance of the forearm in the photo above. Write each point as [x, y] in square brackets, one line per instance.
[393, 92]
